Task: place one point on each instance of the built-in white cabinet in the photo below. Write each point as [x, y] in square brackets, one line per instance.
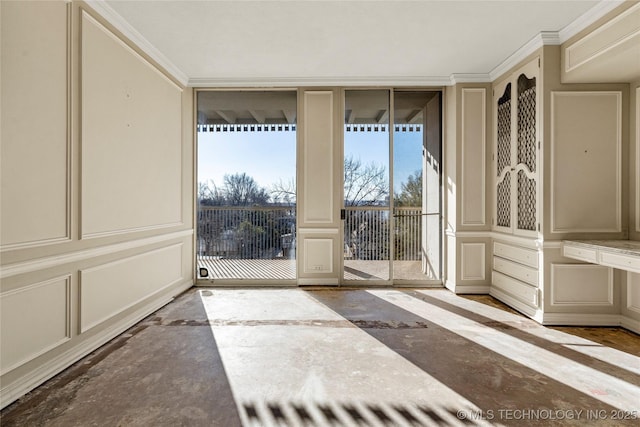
[516, 208]
[516, 152]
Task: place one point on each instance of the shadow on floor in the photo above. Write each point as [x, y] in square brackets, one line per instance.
[166, 370]
[351, 413]
[488, 379]
[561, 349]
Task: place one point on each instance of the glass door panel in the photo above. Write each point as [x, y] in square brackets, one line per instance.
[246, 227]
[367, 219]
[416, 186]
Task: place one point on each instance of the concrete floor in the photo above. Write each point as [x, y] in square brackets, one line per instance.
[327, 357]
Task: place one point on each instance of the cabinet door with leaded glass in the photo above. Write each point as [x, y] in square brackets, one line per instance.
[515, 152]
[526, 150]
[502, 157]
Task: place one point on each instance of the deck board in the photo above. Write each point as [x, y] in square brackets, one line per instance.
[278, 269]
[248, 268]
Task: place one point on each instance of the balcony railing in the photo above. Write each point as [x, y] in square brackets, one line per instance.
[250, 232]
[366, 233]
[270, 232]
[260, 242]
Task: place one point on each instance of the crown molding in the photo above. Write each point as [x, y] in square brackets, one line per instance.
[251, 82]
[588, 18]
[456, 78]
[555, 38]
[544, 38]
[115, 19]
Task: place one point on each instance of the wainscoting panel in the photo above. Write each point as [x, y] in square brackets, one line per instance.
[633, 293]
[318, 255]
[111, 288]
[473, 261]
[581, 284]
[34, 319]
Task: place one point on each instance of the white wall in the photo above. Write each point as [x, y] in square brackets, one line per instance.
[97, 192]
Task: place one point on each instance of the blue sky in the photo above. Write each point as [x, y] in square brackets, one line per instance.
[270, 156]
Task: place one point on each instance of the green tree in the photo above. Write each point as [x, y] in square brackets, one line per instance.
[410, 191]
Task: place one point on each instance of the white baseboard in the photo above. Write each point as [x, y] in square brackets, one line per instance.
[319, 282]
[630, 324]
[472, 289]
[581, 319]
[450, 285]
[514, 303]
[16, 389]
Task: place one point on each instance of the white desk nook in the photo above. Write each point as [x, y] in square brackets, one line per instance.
[622, 254]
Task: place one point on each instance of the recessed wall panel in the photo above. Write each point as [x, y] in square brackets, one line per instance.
[586, 162]
[581, 284]
[34, 113]
[633, 292]
[131, 138]
[473, 156]
[111, 288]
[34, 319]
[473, 261]
[318, 157]
[318, 255]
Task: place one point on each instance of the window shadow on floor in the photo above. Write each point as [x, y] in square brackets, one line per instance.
[488, 379]
[522, 334]
[333, 413]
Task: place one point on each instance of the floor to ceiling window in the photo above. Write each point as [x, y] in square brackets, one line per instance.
[392, 187]
[246, 222]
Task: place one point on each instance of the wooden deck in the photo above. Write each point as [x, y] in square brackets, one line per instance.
[248, 268]
[279, 269]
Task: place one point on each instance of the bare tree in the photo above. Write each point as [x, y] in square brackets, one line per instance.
[364, 184]
[209, 194]
[242, 190]
[284, 192]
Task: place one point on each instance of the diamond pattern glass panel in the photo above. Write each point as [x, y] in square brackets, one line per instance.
[527, 122]
[526, 202]
[504, 131]
[504, 202]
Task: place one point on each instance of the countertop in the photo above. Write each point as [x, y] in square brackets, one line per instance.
[627, 247]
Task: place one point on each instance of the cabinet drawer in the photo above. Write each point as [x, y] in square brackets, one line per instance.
[521, 291]
[583, 254]
[514, 253]
[624, 262]
[518, 271]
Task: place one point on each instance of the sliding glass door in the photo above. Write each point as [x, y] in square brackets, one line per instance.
[392, 187]
[246, 224]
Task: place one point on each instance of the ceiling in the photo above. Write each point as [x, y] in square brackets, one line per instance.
[235, 42]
